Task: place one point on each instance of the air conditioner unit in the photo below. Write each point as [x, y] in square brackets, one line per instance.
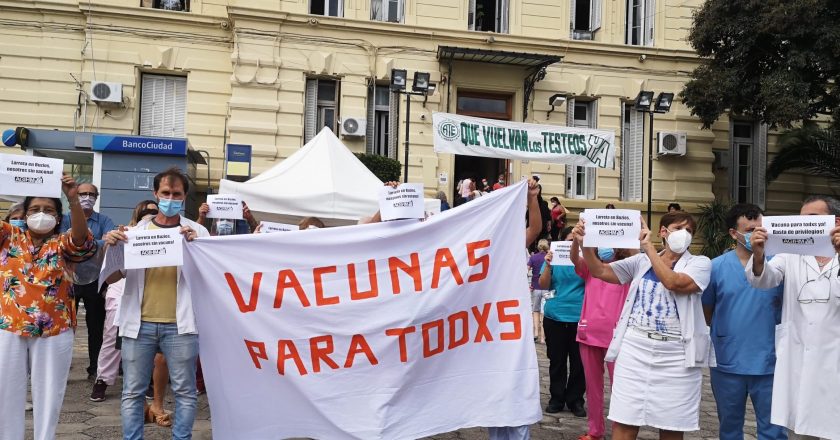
[107, 92]
[353, 127]
[671, 143]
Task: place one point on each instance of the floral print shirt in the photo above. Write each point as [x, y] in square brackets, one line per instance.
[37, 295]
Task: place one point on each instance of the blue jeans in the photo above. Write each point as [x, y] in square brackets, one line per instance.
[138, 355]
[731, 391]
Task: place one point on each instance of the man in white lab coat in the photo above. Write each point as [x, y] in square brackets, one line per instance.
[806, 388]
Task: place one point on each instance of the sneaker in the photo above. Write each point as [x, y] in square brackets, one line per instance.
[150, 393]
[553, 409]
[98, 393]
[578, 410]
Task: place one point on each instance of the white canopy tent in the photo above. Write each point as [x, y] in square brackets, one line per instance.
[323, 179]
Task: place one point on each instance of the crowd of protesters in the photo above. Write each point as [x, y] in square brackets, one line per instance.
[640, 315]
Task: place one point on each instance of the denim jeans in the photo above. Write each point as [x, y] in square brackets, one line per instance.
[138, 357]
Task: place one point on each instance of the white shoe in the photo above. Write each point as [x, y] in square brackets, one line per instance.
[29, 406]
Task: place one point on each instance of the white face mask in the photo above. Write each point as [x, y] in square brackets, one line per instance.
[41, 223]
[678, 241]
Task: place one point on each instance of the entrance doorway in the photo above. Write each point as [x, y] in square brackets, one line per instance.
[483, 105]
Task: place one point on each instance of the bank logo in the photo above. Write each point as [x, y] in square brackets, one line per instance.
[449, 130]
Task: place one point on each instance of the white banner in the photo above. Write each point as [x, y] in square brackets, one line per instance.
[30, 176]
[394, 330]
[458, 134]
[799, 234]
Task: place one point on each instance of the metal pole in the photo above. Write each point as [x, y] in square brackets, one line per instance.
[650, 172]
[407, 125]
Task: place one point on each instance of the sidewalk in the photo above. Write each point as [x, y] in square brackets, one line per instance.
[82, 419]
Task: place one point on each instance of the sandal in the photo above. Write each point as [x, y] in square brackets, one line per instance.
[161, 419]
[147, 415]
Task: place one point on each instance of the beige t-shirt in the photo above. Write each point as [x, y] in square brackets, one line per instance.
[160, 293]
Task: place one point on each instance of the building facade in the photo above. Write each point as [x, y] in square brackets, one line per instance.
[271, 73]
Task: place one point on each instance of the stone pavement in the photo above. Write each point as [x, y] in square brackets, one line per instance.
[83, 419]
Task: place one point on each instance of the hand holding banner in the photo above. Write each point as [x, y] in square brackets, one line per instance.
[30, 176]
[561, 251]
[226, 206]
[799, 234]
[404, 201]
[612, 228]
[153, 248]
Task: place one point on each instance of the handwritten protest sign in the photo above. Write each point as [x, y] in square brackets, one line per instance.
[397, 316]
[561, 251]
[404, 201]
[153, 248]
[227, 206]
[269, 227]
[30, 176]
[612, 228]
[799, 234]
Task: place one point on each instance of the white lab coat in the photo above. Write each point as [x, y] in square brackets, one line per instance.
[806, 387]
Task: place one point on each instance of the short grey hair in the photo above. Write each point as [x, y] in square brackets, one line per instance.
[832, 203]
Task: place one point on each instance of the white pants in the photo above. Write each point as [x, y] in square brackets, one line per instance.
[108, 365]
[49, 359]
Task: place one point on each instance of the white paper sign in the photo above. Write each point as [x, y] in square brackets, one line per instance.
[154, 248]
[269, 227]
[562, 251]
[30, 176]
[612, 228]
[799, 234]
[404, 201]
[443, 178]
[227, 206]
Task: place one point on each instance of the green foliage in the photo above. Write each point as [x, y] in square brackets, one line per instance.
[808, 148]
[711, 226]
[385, 168]
[778, 60]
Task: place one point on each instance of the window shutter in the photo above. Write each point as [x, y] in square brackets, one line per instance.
[570, 170]
[591, 173]
[594, 15]
[371, 118]
[376, 10]
[649, 21]
[634, 156]
[393, 124]
[759, 166]
[572, 12]
[310, 111]
[471, 16]
[503, 12]
[401, 9]
[163, 106]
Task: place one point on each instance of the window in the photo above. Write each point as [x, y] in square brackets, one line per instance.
[383, 121]
[640, 19]
[586, 18]
[321, 106]
[387, 10]
[580, 181]
[163, 105]
[168, 5]
[632, 153]
[488, 16]
[749, 162]
[330, 8]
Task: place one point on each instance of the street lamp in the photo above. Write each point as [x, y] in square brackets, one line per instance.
[422, 86]
[643, 105]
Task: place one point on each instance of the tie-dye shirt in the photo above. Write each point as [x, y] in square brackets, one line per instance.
[655, 308]
[37, 295]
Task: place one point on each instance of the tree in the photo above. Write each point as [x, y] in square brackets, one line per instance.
[808, 148]
[777, 60]
[385, 168]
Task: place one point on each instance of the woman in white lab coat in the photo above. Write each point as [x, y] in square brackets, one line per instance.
[806, 386]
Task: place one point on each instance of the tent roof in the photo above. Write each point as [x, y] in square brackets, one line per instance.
[323, 179]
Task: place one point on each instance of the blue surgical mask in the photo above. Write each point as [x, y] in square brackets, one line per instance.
[606, 254]
[170, 207]
[746, 244]
[19, 223]
[224, 227]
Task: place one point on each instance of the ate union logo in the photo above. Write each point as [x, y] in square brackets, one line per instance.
[449, 130]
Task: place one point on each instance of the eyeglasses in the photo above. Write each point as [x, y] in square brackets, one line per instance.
[88, 194]
[825, 276]
[34, 210]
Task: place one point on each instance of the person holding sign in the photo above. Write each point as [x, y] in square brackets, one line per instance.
[661, 340]
[560, 321]
[743, 320]
[156, 315]
[246, 225]
[601, 308]
[806, 383]
[37, 311]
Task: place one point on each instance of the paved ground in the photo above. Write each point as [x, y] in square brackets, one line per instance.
[83, 419]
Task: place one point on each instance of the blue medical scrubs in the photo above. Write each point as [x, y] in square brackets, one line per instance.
[743, 334]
